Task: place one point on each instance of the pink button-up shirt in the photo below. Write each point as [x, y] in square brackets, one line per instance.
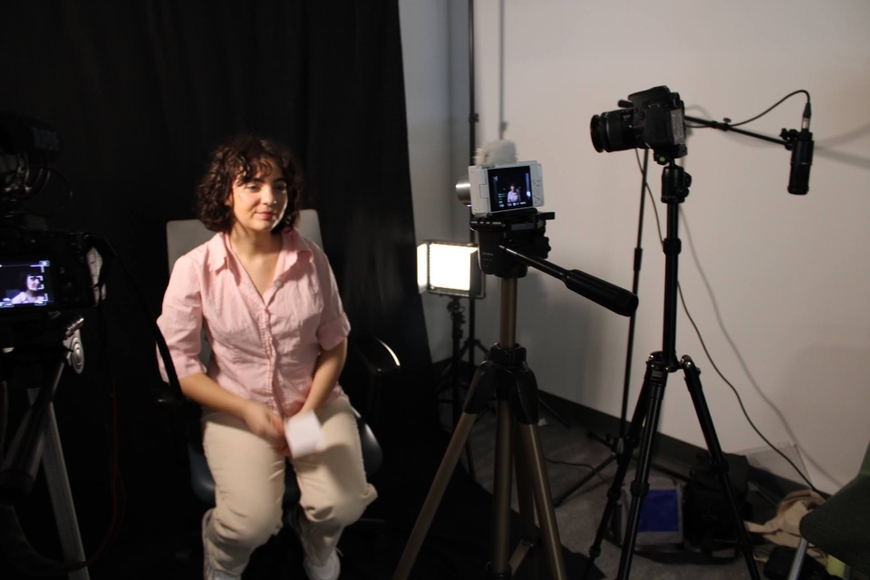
[263, 348]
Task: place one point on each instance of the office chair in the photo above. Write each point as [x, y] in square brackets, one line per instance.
[376, 357]
[840, 526]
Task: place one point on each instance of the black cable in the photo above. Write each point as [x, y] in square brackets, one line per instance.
[778, 103]
[736, 394]
[579, 466]
[704, 346]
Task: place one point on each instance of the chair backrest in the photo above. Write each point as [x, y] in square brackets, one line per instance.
[865, 466]
[184, 235]
[181, 237]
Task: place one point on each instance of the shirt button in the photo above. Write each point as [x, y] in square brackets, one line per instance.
[278, 284]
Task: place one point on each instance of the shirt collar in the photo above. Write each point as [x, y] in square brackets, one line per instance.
[293, 248]
[218, 255]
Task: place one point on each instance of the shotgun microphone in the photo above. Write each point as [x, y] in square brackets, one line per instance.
[801, 157]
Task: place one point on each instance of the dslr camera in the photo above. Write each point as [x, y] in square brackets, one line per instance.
[504, 188]
[651, 119]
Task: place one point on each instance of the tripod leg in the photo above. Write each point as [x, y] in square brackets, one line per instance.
[501, 492]
[623, 461]
[433, 499]
[534, 455]
[657, 374]
[718, 461]
[526, 551]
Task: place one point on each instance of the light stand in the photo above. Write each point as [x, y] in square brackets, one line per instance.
[454, 307]
[509, 243]
[675, 188]
[616, 446]
[451, 269]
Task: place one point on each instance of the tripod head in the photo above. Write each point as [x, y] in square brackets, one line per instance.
[519, 230]
[675, 183]
[511, 242]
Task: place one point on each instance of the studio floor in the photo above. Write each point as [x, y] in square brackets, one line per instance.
[414, 438]
[578, 516]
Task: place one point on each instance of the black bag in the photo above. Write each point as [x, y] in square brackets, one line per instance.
[707, 520]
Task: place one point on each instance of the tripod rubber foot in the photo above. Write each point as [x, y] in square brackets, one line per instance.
[496, 575]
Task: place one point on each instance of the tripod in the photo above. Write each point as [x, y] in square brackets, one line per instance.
[504, 243]
[37, 440]
[675, 188]
[507, 376]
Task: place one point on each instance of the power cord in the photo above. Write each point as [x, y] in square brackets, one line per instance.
[698, 332]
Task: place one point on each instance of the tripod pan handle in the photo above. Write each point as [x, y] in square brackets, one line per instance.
[610, 296]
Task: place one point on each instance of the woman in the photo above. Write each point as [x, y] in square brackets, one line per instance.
[34, 292]
[268, 302]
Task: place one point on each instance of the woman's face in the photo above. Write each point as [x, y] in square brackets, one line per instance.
[33, 282]
[259, 204]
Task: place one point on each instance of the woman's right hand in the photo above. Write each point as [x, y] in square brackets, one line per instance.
[264, 423]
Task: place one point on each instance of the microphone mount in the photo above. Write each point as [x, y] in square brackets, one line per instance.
[799, 142]
[787, 138]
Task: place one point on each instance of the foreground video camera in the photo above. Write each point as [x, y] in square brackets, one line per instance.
[651, 119]
[42, 272]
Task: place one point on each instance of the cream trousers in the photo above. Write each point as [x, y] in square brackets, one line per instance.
[249, 485]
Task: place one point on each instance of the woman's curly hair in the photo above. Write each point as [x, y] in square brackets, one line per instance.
[241, 159]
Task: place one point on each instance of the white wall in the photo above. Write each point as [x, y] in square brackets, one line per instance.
[435, 55]
[425, 51]
[789, 274]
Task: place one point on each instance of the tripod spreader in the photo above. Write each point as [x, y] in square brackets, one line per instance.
[506, 375]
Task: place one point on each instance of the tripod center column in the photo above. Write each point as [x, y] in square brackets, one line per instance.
[507, 332]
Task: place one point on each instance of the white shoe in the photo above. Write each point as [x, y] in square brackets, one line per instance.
[209, 573]
[329, 571]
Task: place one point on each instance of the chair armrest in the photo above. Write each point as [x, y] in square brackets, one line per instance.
[378, 358]
[163, 394]
[373, 455]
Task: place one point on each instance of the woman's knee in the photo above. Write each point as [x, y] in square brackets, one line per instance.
[341, 510]
[250, 527]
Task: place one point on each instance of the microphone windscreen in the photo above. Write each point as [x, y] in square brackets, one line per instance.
[501, 152]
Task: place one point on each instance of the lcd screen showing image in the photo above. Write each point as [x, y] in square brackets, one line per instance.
[510, 188]
[25, 284]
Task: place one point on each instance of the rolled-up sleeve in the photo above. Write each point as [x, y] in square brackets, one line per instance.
[180, 321]
[334, 325]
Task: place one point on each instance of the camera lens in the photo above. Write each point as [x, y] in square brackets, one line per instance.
[612, 131]
[598, 132]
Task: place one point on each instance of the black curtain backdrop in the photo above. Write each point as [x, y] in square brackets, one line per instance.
[140, 92]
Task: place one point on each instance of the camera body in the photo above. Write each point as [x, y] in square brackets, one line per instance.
[504, 188]
[652, 119]
[45, 272]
